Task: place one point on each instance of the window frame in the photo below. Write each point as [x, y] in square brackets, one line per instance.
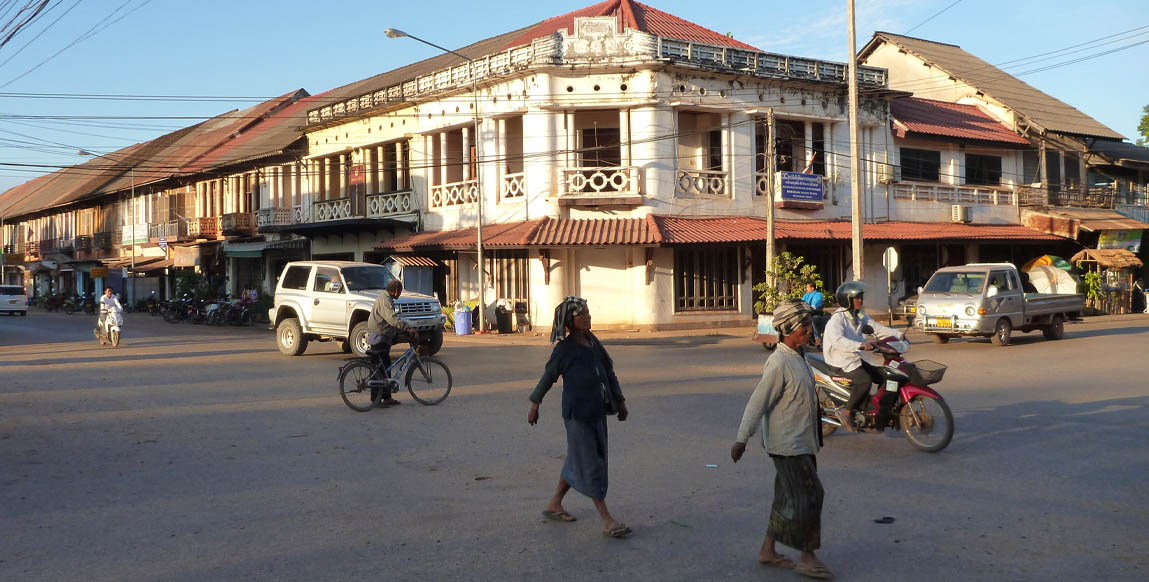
[980, 174]
[707, 279]
[919, 170]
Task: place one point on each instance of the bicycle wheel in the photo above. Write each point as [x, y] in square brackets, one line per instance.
[354, 389]
[429, 381]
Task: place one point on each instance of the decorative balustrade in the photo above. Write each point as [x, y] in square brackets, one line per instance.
[170, 230]
[67, 245]
[331, 210]
[32, 249]
[453, 194]
[606, 181]
[84, 243]
[274, 217]
[49, 245]
[702, 182]
[952, 194]
[302, 215]
[514, 186]
[204, 227]
[390, 204]
[237, 223]
[1080, 197]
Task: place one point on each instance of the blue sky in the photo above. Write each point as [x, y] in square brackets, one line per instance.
[259, 49]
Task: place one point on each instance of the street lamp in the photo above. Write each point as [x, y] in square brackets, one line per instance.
[396, 33]
[132, 169]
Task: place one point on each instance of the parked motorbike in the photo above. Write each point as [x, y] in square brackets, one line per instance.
[914, 408]
[108, 330]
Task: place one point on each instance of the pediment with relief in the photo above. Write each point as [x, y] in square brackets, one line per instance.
[598, 38]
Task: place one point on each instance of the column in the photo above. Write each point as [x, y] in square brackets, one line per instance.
[808, 149]
[400, 165]
[442, 158]
[375, 175]
[572, 139]
[501, 168]
[466, 153]
[624, 134]
[343, 162]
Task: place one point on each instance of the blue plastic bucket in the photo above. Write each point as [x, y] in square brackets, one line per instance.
[463, 322]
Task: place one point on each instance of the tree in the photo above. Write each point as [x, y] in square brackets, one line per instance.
[1143, 127]
[790, 277]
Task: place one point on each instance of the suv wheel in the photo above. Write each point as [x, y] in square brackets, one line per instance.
[358, 339]
[289, 337]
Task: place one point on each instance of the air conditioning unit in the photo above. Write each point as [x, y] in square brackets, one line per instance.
[889, 173]
[959, 213]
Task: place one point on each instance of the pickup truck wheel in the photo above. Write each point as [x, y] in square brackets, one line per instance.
[289, 337]
[1055, 330]
[940, 338]
[358, 340]
[1001, 332]
[432, 341]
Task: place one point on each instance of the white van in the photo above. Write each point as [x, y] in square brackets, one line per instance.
[13, 300]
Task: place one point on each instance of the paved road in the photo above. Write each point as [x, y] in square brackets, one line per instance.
[195, 453]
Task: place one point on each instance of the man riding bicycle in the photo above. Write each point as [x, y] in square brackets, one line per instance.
[387, 330]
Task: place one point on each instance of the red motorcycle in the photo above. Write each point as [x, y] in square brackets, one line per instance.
[910, 405]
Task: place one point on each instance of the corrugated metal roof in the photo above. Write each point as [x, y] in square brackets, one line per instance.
[942, 118]
[634, 15]
[655, 230]
[1042, 109]
[1096, 219]
[413, 261]
[597, 231]
[1120, 151]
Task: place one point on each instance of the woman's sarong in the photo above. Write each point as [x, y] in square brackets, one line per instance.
[585, 466]
[796, 516]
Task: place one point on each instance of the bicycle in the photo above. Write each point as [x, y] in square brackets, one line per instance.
[362, 381]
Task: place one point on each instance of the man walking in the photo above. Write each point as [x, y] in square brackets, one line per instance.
[786, 404]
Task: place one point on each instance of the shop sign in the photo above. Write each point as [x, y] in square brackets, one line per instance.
[1129, 240]
[801, 187]
[99, 272]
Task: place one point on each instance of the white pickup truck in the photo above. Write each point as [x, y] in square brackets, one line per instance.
[331, 300]
[988, 300]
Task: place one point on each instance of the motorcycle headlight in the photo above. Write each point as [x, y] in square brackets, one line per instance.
[921, 310]
[969, 310]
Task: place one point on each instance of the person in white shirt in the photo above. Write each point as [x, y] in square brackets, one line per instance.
[108, 305]
[843, 341]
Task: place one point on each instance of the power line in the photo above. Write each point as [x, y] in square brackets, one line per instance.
[936, 14]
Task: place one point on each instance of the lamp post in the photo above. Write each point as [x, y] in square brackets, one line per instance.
[132, 197]
[396, 33]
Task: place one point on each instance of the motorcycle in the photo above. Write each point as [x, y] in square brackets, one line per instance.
[915, 408]
[70, 304]
[108, 330]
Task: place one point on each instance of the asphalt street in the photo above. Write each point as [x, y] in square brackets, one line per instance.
[193, 453]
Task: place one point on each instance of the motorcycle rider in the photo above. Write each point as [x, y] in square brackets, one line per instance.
[108, 304]
[842, 341]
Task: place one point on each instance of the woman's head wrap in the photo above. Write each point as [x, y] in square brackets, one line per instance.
[564, 314]
[790, 315]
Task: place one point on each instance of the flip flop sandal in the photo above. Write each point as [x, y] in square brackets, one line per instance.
[816, 571]
[618, 531]
[559, 516]
[779, 562]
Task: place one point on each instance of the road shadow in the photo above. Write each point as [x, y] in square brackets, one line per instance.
[112, 358]
[674, 342]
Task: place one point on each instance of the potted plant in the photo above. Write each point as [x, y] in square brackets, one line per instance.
[786, 278]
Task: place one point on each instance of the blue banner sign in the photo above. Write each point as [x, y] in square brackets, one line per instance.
[801, 187]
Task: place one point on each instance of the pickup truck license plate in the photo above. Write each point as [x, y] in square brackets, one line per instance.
[11, 302]
[943, 322]
[891, 386]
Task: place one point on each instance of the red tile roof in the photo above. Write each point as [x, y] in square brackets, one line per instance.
[656, 230]
[634, 15]
[941, 118]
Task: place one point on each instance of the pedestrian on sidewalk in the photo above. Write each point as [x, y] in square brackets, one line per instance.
[786, 405]
[590, 393]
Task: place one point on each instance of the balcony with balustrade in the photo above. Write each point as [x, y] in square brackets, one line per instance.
[513, 186]
[205, 227]
[454, 194]
[951, 194]
[271, 219]
[391, 204]
[102, 241]
[237, 224]
[170, 231]
[600, 186]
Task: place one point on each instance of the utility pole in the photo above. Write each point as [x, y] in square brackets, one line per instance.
[770, 195]
[855, 157]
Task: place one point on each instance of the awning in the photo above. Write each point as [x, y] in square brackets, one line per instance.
[412, 261]
[254, 250]
[155, 266]
[1110, 258]
[657, 230]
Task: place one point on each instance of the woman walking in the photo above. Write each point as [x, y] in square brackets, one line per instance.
[786, 405]
[590, 393]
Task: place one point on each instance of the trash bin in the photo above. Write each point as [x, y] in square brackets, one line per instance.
[503, 319]
[463, 321]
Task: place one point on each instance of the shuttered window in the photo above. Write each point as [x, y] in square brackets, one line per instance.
[706, 279]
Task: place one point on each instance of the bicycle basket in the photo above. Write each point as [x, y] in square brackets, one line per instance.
[924, 372]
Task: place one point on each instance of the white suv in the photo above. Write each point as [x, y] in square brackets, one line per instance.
[331, 300]
[13, 300]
